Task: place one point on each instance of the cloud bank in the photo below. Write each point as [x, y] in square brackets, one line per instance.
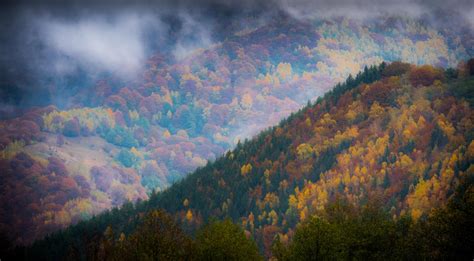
[98, 44]
[56, 39]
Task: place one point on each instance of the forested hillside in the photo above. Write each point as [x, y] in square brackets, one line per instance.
[389, 145]
[118, 141]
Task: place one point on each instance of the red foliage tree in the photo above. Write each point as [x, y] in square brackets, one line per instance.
[116, 102]
[57, 166]
[425, 75]
[378, 92]
[102, 177]
[396, 68]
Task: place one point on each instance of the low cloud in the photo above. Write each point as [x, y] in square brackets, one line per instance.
[363, 9]
[53, 39]
[469, 14]
[114, 45]
[194, 35]
[305, 9]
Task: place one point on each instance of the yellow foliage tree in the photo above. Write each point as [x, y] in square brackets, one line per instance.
[245, 169]
[284, 70]
[246, 101]
[166, 134]
[304, 151]
[376, 111]
[189, 216]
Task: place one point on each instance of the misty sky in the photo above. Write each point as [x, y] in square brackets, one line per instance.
[41, 39]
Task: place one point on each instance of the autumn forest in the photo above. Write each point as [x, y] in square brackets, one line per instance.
[261, 134]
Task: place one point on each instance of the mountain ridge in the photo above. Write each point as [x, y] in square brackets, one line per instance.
[269, 198]
[179, 113]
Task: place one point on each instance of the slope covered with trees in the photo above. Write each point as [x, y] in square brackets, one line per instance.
[118, 141]
[398, 137]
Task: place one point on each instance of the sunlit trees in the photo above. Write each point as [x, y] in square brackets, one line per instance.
[76, 122]
[245, 169]
[304, 151]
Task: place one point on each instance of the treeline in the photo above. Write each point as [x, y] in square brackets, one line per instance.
[158, 237]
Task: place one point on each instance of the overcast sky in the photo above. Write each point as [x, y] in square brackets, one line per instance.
[110, 34]
[58, 37]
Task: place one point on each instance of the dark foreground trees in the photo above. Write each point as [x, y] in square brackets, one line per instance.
[347, 233]
[160, 238]
[157, 238]
[448, 234]
[343, 233]
[225, 241]
[340, 232]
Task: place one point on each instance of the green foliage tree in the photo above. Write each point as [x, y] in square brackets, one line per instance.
[315, 240]
[463, 88]
[343, 233]
[127, 158]
[225, 241]
[157, 238]
[72, 128]
[121, 137]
